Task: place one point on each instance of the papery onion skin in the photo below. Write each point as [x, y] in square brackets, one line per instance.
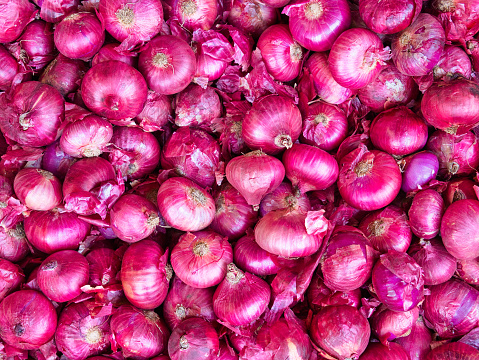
[425, 213]
[108, 52]
[458, 17]
[14, 17]
[168, 64]
[252, 17]
[420, 169]
[389, 325]
[104, 265]
[284, 197]
[453, 62]
[13, 243]
[38, 189]
[417, 343]
[468, 271]
[195, 14]
[27, 319]
[249, 256]
[156, 114]
[9, 68]
[144, 274]
[64, 74]
[114, 90]
[56, 161]
[341, 331]
[454, 350]
[377, 351]
[459, 189]
[54, 11]
[183, 196]
[11, 277]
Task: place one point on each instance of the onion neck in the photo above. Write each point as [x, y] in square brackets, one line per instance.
[112, 103]
[91, 152]
[93, 335]
[283, 141]
[451, 129]
[197, 196]
[46, 174]
[188, 7]
[220, 204]
[453, 167]
[201, 249]
[25, 122]
[183, 343]
[168, 272]
[363, 168]
[19, 330]
[445, 5]
[313, 10]
[153, 221]
[295, 52]
[151, 316]
[18, 232]
[321, 119]
[255, 153]
[291, 201]
[160, 60]
[234, 275]
[180, 312]
[50, 266]
[126, 16]
[458, 195]
[377, 227]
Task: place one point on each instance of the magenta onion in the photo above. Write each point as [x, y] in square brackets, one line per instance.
[272, 124]
[168, 64]
[11, 276]
[62, 274]
[195, 14]
[38, 189]
[14, 18]
[248, 294]
[132, 22]
[139, 333]
[453, 62]
[356, 58]
[13, 243]
[183, 196]
[200, 258]
[104, 265]
[459, 189]
[457, 351]
[452, 308]
[108, 52]
[470, 338]
[389, 325]
[341, 331]
[114, 90]
[398, 131]
[420, 169]
[55, 10]
[31, 115]
[316, 24]
[425, 213]
[458, 17]
[249, 257]
[393, 351]
[468, 271]
[368, 180]
[184, 301]
[51, 231]
[284, 197]
[252, 17]
[193, 338]
[156, 113]
[389, 17]
[398, 281]
[79, 334]
[64, 74]
[351, 143]
[27, 319]
[9, 70]
[438, 265]
[418, 343]
[145, 275]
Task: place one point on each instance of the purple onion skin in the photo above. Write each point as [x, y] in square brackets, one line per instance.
[454, 350]
[420, 169]
[377, 351]
[468, 271]
[418, 343]
[425, 213]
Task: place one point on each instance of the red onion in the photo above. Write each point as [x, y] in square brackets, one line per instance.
[452, 308]
[459, 18]
[389, 325]
[398, 131]
[64, 74]
[387, 229]
[291, 232]
[183, 196]
[132, 22]
[316, 24]
[417, 343]
[376, 351]
[250, 257]
[13, 243]
[79, 334]
[248, 294]
[51, 231]
[200, 258]
[14, 18]
[352, 143]
[195, 14]
[254, 175]
[398, 281]
[368, 180]
[55, 10]
[31, 115]
[168, 64]
[252, 17]
[356, 58]
[62, 274]
[193, 338]
[389, 17]
[341, 331]
[114, 90]
[9, 68]
[197, 107]
[420, 169]
[140, 334]
[468, 271]
[283, 197]
[104, 266]
[38, 189]
[348, 260]
[453, 62]
[108, 52]
[27, 319]
[326, 86]
[457, 351]
[156, 113]
[459, 189]
[272, 124]
[319, 295]
[425, 213]
[438, 265]
[79, 36]
[145, 275]
[184, 301]
[233, 215]
[470, 338]
[11, 276]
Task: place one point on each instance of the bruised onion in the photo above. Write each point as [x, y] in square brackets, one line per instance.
[249, 256]
[64, 74]
[425, 213]
[37, 189]
[197, 107]
[419, 170]
[284, 197]
[389, 17]
[389, 325]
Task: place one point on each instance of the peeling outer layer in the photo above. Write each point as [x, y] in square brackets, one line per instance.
[418, 343]
[156, 113]
[389, 325]
[460, 19]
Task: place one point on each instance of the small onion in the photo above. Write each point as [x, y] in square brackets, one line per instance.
[459, 189]
[38, 189]
[420, 169]
[393, 351]
[284, 197]
[468, 271]
[425, 213]
[64, 74]
[108, 52]
[14, 17]
[252, 17]
[418, 343]
[13, 243]
[457, 351]
[156, 113]
[9, 68]
[389, 325]
[11, 278]
[250, 257]
[105, 264]
[195, 14]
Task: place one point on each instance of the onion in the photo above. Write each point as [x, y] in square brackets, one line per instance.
[183, 196]
[200, 258]
[452, 308]
[105, 264]
[389, 325]
[389, 17]
[132, 22]
[197, 107]
[195, 14]
[79, 36]
[252, 17]
[458, 226]
[184, 301]
[272, 124]
[248, 294]
[31, 115]
[459, 18]
[459, 189]
[325, 85]
[51, 231]
[398, 271]
[14, 18]
[316, 24]
[250, 257]
[108, 52]
[348, 260]
[55, 10]
[9, 69]
[140, 334]
[79, 334]
[368, 180]
[38, 189]
[351, 143]
[438, 265]
[468, 271]
[62, 274]
[457, 351]
[168, 64]
[156, 113]
[420, 169]
[233, 215]
[376, 351]
[341, 331]
[452, 63]
[283, 197]
[27, 319]
[145, 275]
[114, 90]
[356, 58]
[417, 343]
[456, 116]
[254, 175]
[425, 213]
[13, 243]
[64, 74]
[281, 54]
[193, 338]
[11, 276]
